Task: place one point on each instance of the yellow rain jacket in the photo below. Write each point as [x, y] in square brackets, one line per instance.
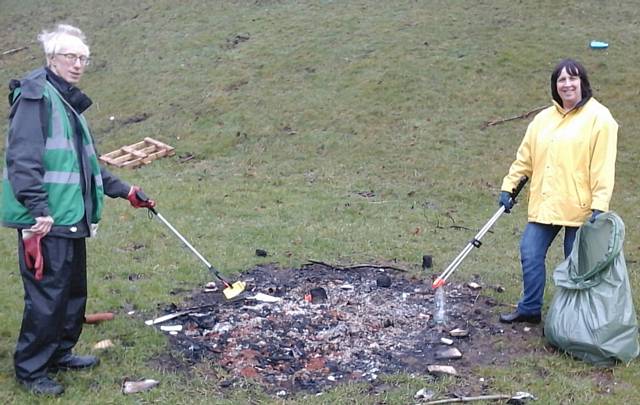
[570, 161]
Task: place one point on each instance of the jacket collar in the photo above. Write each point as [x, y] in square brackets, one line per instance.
[76, 98]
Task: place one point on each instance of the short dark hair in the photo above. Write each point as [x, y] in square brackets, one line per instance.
[574, 68]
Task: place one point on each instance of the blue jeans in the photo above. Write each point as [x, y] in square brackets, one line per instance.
[534, 245]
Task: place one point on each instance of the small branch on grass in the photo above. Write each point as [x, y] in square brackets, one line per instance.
[357, 266]
[14, 50]
[516, 117]
[460, 227]
[468, 399]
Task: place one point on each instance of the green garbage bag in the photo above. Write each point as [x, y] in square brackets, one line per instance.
[591, 316]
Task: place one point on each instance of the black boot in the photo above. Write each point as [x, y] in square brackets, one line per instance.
[43, 386]
[516, 316]
[74, 362]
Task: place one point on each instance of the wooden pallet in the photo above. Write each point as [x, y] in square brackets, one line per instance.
[138, 154]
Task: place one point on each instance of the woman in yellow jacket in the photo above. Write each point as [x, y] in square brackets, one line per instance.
[569, 153]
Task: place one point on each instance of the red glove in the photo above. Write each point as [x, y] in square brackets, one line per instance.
[138, 199]
[33, 254]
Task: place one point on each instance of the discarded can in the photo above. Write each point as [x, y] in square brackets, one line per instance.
[316, 295]
[598, 45]
[427, 262]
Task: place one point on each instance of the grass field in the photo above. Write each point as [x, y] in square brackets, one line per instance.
[342, 131]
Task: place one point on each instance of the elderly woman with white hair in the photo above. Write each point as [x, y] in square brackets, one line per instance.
[53, 191]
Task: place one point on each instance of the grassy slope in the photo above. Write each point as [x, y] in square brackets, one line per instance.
[325, 100]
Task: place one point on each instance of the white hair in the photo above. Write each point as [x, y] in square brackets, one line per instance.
[63, 37]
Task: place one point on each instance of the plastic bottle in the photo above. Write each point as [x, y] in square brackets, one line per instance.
[439, 316]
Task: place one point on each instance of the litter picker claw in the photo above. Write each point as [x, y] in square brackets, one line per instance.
[475, 242]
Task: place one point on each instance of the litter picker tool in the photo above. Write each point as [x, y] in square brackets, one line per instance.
[230, 290]
[475, 242]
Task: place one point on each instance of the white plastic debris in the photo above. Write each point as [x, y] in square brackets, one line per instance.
[446, 341]
[281, 393]
[131, 387]
[165, 318]
[424, 394]
[171, 328]
[474, 286]
[347, 286]
[265, 298]
[521, 395]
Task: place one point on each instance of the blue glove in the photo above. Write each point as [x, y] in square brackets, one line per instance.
[594, 214]
[506, 201]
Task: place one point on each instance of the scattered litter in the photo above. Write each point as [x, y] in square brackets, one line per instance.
[474, 286]
[131, 312]
[427, 262]
[527, 329]
[171, 328]
[424, 394]
[131, 387]
[439, 370]
[448, 354]
[521, 397]
[165, 318]
[347, 287]
[459, 332]
[598, 45]
[261, 253]
[440, 317]
[316, 295]
[294, 345]
[97, 318]
[446, 341]
[103, 344]
[281, 393]
[265, 298]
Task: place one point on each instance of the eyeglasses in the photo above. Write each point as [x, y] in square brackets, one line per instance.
[73, 58]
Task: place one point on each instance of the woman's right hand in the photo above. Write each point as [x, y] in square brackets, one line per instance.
[43, 225]
[506, 201]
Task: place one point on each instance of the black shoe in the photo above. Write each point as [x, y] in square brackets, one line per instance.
[516, 316]
[73, 362]
[43, 386]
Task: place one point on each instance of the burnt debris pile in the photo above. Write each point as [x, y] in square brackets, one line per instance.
[314, 327]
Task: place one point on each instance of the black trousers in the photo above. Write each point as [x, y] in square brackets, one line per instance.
[54, 307]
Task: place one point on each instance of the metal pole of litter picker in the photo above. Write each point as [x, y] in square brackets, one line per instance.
[182, 239]
[475, 242]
